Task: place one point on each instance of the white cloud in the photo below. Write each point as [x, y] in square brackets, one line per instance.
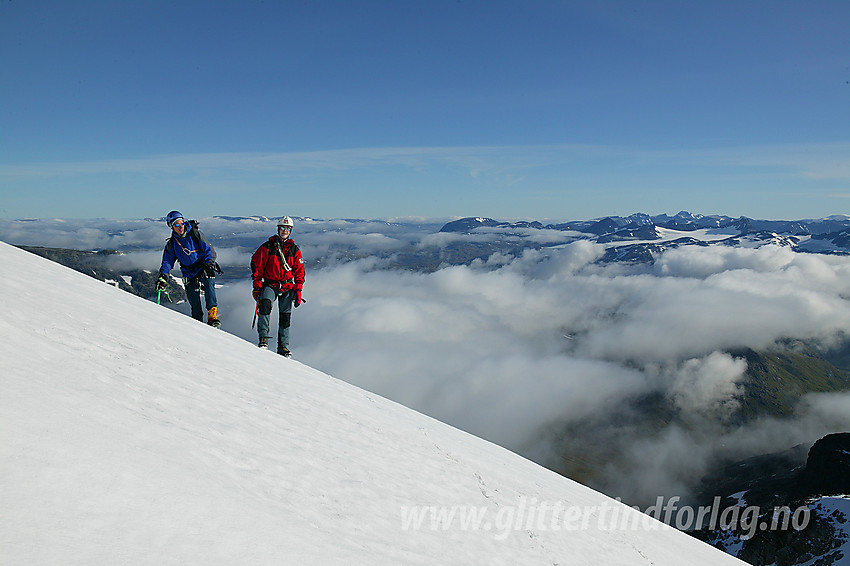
[708, 384]
[682, 262]
[510, 346]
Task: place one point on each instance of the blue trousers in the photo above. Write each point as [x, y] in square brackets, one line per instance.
[193, 293]
[284, 306]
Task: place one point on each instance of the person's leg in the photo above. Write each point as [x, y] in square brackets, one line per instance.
[285, 309]
[193, 293]
[209, 292]
[208, 284]
[267, 296]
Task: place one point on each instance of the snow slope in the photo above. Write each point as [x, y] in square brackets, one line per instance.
[131, 434]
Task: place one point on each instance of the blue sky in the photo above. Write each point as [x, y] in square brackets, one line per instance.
[548, 110]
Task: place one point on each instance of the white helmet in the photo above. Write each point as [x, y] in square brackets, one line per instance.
[285, 221]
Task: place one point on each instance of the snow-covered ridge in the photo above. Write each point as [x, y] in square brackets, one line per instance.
[642, 238]
[134, 435]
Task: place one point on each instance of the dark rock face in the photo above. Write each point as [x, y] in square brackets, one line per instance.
[827, 468]
[767, 479]
[776, 481]
[469, 224]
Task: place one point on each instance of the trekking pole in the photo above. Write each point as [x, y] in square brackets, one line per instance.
[256, 309]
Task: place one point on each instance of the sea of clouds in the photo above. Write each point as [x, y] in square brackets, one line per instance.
[525, 348]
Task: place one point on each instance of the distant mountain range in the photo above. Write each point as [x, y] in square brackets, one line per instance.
[650, 235]
[638, 238]
[684, 221]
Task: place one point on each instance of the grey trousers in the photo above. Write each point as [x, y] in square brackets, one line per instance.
[284, 306]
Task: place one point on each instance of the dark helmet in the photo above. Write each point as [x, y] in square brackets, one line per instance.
[172, 216]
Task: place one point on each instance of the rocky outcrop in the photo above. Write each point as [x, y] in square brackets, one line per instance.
[827, 469]
[816, 528]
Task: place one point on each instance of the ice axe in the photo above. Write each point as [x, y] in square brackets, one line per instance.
[159, 293]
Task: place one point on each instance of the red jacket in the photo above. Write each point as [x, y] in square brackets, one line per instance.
[268, 269]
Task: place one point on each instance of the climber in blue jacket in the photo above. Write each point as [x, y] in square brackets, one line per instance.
[188, 246]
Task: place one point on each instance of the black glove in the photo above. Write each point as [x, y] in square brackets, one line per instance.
[161, 283]
[208, 271]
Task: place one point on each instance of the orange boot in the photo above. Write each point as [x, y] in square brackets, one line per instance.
[212, 318]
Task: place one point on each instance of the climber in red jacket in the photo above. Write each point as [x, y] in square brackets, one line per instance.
[277, 269]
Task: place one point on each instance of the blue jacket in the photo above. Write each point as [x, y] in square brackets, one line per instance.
[193, 257]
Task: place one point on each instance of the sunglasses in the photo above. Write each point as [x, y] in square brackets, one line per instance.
[177, 224]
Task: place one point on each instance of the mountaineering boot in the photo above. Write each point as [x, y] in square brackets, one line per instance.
[264, 343]
[284, 351]
[212, 318]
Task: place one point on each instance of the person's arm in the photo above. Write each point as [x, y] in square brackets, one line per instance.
[168, 259]
[258, 262]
